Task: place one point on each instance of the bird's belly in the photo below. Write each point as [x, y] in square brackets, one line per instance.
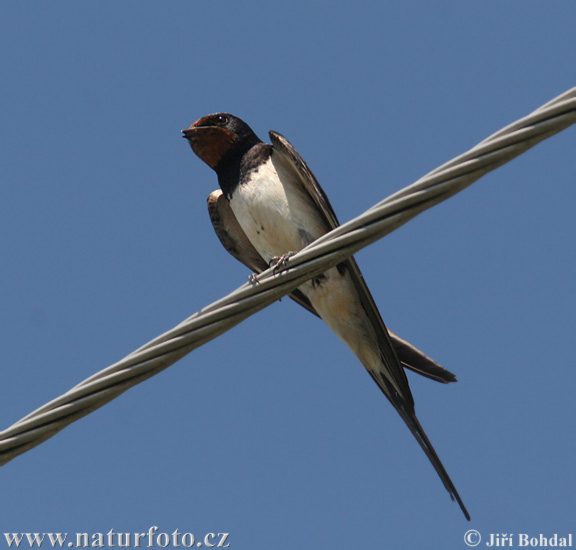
[336, 300]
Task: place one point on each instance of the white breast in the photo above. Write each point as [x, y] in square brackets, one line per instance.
[274, 210]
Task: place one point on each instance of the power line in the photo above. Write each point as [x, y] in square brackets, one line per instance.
[324, 253]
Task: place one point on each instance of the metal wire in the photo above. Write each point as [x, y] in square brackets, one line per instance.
[325, 252]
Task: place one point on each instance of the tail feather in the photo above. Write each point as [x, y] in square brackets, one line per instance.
[409, 416]
[417, 361]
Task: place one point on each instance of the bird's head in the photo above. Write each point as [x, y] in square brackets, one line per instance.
[214, 136]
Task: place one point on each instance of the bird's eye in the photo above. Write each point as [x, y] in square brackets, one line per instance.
[221, 119]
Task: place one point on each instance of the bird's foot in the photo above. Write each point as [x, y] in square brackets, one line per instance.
[280, 262]
[253, 279]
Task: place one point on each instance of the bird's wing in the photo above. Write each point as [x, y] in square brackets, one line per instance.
[236, 242]
[230, 233]
[410, 356]
[392, 370]
[391, 378]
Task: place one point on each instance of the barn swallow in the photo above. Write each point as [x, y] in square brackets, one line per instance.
[270, 206]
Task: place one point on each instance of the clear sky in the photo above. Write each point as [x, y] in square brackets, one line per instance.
[273, 432]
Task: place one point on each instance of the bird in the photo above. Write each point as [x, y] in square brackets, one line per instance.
[270, 206]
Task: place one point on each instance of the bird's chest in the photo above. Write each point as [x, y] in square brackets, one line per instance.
[275, 213]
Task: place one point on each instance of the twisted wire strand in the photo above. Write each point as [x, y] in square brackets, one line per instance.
[327, 251]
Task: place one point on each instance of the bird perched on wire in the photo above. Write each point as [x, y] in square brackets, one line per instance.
[270, 206]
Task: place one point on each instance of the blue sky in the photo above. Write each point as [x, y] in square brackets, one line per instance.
[273, 432]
